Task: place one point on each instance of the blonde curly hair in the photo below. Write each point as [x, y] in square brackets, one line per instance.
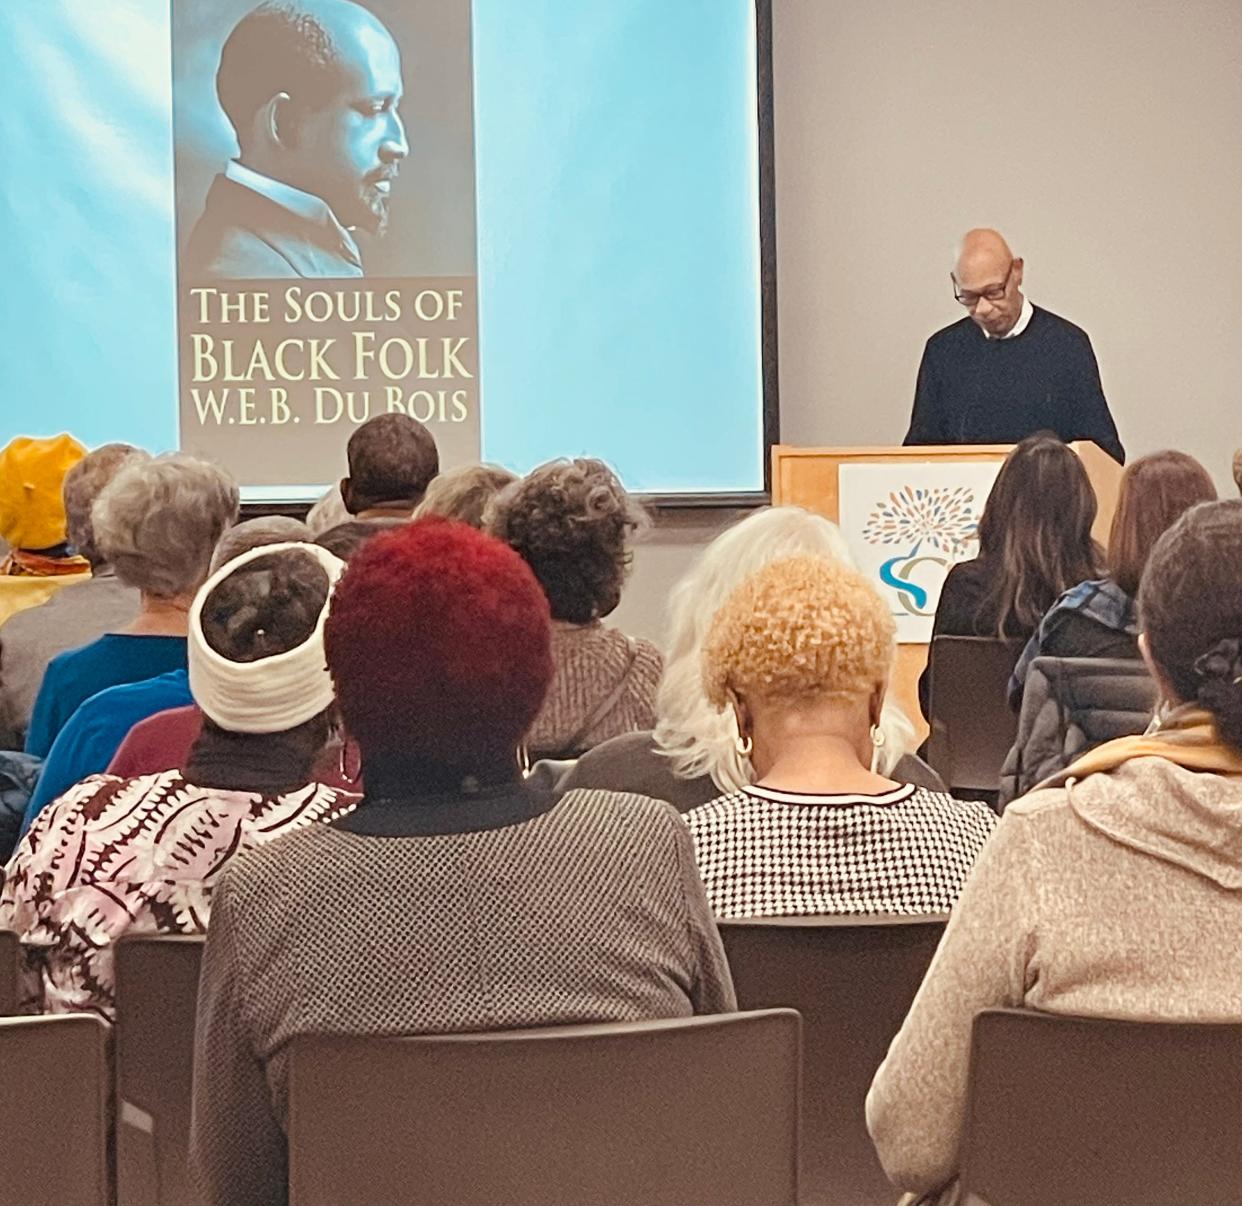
[800, 626]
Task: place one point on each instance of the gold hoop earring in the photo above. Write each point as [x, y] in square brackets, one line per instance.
[744, 746]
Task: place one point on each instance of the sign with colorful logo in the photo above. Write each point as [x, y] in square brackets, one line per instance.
[907, 525]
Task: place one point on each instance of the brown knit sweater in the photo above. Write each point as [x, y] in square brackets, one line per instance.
[591, 910]
[592, 662]
[1118, 895]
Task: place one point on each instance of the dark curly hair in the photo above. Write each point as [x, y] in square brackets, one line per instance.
[267, 606]
[439, 643]
[1191, 611]
[571, 522]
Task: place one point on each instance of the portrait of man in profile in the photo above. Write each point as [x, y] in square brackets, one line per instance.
[312, 90]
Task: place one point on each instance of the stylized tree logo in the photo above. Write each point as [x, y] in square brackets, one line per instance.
[944, 517]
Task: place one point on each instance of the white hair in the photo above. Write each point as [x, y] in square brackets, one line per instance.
[689, 730]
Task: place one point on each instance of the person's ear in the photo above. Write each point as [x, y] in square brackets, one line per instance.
[272, 122]
[875, 704]
[1166, 692]
[1018, 267]
[346, 488]
[741, 714]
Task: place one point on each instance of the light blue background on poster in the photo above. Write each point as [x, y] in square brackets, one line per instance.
[617, 216]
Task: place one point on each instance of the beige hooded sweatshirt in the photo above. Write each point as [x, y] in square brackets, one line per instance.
[1118, 895]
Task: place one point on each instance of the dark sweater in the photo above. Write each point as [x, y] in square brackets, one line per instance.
[963, 610]
[975, 390]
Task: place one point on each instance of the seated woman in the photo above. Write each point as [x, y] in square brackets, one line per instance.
[122, 856]
[455, 897]
[464, 493]
[156, 523]
[692, 757]
[571, 521]
[39, 562]
[801, 655]
[1030, 549]
[1098, 618]
[1117, 889]
[97, 604]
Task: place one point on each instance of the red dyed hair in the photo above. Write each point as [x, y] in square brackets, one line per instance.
[439, 643]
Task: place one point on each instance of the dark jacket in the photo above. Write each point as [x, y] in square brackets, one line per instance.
[1070, 706]
[243, 235]
[964, 611]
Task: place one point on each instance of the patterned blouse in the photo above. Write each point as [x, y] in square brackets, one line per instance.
[768, 853]
[131, 856]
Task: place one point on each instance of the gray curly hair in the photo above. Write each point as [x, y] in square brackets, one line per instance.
[571, 521]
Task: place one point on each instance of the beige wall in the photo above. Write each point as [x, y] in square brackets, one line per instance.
[1103, 136]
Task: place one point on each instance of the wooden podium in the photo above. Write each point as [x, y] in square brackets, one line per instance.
[809, 477]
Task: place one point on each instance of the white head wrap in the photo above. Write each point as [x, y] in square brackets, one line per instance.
[275, 693]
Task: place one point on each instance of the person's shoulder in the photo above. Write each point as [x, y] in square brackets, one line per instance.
[973, 812]
[1054, 326]
[627, 809]
[955, 335]
[718, 810]
[236, 236]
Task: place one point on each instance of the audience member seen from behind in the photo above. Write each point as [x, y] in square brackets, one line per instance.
[572, 521]
[1237, 469]
[456, 897]
[98, 603]
[156, 523]
[464, 493]
[392, 460]
[692, 755]
[163, 740]
[32, 522]
[347, 538]
[1099, 617]
[1116, 888]
[1034, 544]
[122, 856]
[801, 654]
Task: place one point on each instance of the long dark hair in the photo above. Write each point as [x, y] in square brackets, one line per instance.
[1035, 533]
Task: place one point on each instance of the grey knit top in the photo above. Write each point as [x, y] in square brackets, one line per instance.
[590, 909]
[603, 684]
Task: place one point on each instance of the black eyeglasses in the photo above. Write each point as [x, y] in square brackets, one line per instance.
[992, 293]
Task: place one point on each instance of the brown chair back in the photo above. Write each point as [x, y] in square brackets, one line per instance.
[156, 996]
[10, 972]
[55, 1110]
[1096, 1110]
[852, 979]
[685, 1112]
[972, 726]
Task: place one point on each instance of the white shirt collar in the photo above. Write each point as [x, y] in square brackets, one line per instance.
[1018, 327]
[305, 205]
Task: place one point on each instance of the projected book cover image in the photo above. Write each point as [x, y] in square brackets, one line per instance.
[326, 253]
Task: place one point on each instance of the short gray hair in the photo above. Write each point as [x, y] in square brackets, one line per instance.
[157, 522]
[83, 484]
[255, 533]
[464, 493]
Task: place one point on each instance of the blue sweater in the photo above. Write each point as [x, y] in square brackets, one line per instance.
[75, 675]
[95, 731]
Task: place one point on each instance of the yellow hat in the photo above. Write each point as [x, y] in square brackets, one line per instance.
[32, 474]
